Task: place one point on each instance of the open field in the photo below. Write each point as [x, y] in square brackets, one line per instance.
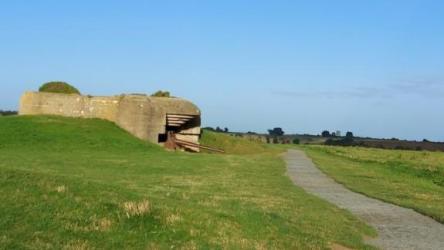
[413, 179]
[83, 184]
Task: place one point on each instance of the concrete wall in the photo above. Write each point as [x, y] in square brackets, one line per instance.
[142, 116]
[69, 105]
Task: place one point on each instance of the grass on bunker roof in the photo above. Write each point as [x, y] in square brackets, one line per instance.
[85, 183]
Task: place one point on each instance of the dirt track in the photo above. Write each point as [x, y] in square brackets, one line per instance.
[398, 227]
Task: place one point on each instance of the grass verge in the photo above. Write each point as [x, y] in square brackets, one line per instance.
[413, 179]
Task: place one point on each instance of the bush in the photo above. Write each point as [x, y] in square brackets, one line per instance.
[59, 87]
[161, 93]
[275, 140]
[296, 141]
[347, 141]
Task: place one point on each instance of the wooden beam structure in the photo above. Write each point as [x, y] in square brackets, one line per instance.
[178, 120]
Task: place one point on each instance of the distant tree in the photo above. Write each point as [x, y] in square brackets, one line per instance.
[218, 129]
[333, 134]
[425, 140]
[325, 133]
[226, 130]
[276, 132]
[209, 129]
[349, 135]
[296, 141]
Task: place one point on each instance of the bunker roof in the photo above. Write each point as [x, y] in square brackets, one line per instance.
[170, 104]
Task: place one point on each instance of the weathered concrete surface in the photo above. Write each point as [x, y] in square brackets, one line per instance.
[143, 116]
[398, 227]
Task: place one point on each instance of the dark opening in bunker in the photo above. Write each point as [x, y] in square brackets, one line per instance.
[162, 138]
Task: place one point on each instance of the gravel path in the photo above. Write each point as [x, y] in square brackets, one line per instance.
[398, 227]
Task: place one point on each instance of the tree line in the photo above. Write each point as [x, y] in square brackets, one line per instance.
[8, 112]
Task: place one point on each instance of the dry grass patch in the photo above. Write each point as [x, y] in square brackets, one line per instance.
[260, 246]
[61, 189]
[153, 246]
[100, 225]
[133, 208]
[173, 219]
[191, 245]
[103, 224]
[77, 245]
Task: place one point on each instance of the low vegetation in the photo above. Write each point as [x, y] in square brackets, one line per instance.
[59, 87]
[413, 179]
[7, 112]
[84, 184]
[402, 144]
[161, 93]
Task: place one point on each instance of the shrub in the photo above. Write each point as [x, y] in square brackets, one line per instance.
[59, 87]
[161, 93]
[347, 141]
[296, 141]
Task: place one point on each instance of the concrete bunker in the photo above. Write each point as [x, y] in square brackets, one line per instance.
[172, 122]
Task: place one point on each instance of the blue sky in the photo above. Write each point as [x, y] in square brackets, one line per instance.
[373, 67]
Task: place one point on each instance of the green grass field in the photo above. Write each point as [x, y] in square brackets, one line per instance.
[85, 184]
[413, 179]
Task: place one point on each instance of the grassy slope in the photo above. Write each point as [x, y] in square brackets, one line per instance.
[64, 183]
[231, 144]
[413, 179]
